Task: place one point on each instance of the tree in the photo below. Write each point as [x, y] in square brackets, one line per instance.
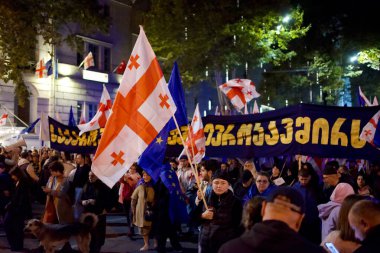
[215, 35]
[57, 21]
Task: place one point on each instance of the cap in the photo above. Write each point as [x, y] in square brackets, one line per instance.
[290, 195]
[221, 175]
[330, 169]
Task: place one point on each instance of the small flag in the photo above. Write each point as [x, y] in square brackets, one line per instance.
[3, 119]
[83, 116]
[255, 108]
[196, 141]
[120, 68]
[49, 68]
[30, 127]
[71, 118]
[41, 71]
[44, 128]
[363, 100]
[101, 116]
[142, 107]
[88, 61]
[370, 132]
[239, 91]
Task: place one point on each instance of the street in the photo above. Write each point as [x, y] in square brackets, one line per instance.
[116, 237]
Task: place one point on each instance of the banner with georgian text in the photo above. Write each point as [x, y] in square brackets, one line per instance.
[66, 138]
[313, 130]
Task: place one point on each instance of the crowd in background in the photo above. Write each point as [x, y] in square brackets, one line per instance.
[231, 206]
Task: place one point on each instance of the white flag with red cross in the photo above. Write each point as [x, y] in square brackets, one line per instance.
[142, 107]
[3, 119]
[101, 116]
[41, 71]
[196, 142]
[239, 91]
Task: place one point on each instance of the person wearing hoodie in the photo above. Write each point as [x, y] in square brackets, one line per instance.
[329, 212]
[283, 212]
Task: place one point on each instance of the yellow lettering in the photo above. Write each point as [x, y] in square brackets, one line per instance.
[244, 133]
[336, 135]
[303, 135]
[209, 128]
[53, 136]
[217, 141]
[74, 140]
[272, 138]
[288, 137]
[356, 142]
[61, 136]
[258, 139]
[227, 138]
[92, 138]
[321, 128]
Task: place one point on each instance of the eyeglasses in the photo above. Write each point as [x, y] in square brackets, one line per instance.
[262, 181]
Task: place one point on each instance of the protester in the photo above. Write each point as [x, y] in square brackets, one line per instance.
[311, 193]
[252, 212]
[80, 177]
[221, 221]
[6, 187]
[128, 184]
[94, 200]
[283, 212]
[143, 196]
[343, 237]
[58, 208]
[17, 210]
[234, 170]
[250, 166]
[363, 188]
[263, 187]
[329, 211]
[242, 186]
[364, 219]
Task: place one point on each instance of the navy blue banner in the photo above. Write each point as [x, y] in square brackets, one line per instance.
[66, 138]
[323, 131]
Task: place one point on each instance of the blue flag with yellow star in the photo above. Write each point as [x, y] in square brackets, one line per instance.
[153, 157]
[152, 160]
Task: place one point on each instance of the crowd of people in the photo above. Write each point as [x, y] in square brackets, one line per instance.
[231, 206]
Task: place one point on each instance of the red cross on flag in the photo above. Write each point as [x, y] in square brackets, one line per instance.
[369, 130]
[239, 91]
[88, 61]
[101, 116]
[41, 70]
[196, 141]
[120, 68]
[142, 107]
[3, 119]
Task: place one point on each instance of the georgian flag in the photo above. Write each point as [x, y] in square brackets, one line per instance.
[142, 107]
[370, 133]
[88, 61]
[3, 119]
[101, 116]
[196, 141]
[41, 70]
[239, 91]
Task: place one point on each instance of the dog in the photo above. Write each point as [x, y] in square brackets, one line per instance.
[52, 236]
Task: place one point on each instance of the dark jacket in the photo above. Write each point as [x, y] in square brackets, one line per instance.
[371, 241]
[224, 226]
[270, 237]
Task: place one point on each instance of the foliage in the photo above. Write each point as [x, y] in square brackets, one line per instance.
[215, 35]
[22, 20]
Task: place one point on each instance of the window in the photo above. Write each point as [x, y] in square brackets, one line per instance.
[92, 108]
[107, 59]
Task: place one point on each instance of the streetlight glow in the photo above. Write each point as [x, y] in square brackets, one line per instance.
[286, 19]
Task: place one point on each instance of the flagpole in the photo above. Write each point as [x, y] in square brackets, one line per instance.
[54, 65]
[188, 158]
[14, 115]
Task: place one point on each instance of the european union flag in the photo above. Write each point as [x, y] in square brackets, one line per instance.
[30, 127]
[72, 122]
[152, 158]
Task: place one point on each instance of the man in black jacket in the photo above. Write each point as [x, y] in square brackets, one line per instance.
[364, 218]
[283, 212]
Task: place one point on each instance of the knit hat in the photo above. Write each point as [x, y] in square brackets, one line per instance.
[221, 175]
[291, 195]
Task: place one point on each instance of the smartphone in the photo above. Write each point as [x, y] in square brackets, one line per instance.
[330, 246]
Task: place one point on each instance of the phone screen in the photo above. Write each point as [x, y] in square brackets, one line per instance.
[330, 246]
